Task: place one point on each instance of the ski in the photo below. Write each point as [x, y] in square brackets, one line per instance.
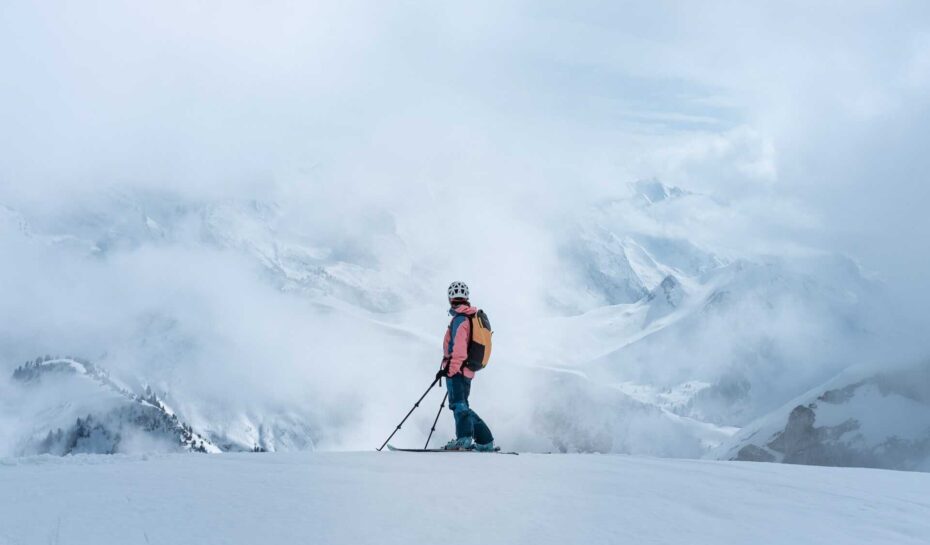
[496, 450]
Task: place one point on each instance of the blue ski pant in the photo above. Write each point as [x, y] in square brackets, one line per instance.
[467, 421]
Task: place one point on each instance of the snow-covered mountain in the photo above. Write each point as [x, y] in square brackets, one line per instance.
[682, 313]
[90, 411]
[621, 254]
[266, 332]
[346, 268]
[879, 420]
[94, 413]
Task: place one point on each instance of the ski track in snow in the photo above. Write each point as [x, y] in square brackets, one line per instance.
[407, 498]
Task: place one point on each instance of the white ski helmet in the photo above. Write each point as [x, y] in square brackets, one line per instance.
[458, 290]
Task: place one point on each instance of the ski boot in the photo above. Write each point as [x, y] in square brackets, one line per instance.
[463, 443]
[487, 447]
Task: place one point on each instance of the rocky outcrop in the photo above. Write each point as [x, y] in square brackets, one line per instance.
[752, 453]
[665, 298]
[882, 421]
[803, 443]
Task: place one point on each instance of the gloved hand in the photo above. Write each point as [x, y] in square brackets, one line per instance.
[440, 374]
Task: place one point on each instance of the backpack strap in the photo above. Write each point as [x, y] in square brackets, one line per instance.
[471, 337]
[452, 333]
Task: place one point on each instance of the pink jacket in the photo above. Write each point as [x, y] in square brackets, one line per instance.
[453, 362]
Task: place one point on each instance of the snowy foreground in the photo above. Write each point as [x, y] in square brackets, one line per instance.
[386, 498]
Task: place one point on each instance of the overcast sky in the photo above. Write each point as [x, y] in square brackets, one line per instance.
[814, 118]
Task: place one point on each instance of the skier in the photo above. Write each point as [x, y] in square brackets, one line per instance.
[470, 431]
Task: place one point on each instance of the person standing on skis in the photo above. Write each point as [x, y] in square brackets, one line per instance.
[470, 430]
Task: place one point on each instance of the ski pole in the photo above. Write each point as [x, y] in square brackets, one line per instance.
[415, 405]
[441, 405]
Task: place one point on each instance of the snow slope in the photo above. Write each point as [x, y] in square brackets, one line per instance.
[399, 498]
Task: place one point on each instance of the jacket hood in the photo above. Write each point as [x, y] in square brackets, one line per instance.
[463, 309]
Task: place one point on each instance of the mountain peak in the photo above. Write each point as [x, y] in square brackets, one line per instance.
[652, 191]
[665, 298]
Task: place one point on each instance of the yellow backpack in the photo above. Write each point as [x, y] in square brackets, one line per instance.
[479, 341]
